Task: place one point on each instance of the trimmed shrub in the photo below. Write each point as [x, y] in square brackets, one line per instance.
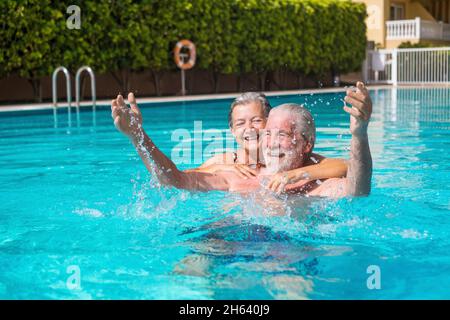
[308, 37]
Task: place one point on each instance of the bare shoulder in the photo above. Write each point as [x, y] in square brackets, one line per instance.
[333, 188]
[221, 158]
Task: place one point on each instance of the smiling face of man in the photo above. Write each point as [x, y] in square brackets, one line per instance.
[288, 138]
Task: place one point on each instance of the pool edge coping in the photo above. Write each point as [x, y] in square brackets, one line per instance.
[203, 97]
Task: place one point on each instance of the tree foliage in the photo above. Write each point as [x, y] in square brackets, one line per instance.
[310, 37]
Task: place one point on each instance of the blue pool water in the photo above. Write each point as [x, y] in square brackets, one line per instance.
[78, 201]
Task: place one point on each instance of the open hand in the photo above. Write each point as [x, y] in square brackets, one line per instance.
[361, 109]
[127, 120]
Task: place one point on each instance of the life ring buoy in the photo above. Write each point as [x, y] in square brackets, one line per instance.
[192, 54]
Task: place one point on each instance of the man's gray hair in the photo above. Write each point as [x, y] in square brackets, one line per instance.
[249, 97]
[304, 121]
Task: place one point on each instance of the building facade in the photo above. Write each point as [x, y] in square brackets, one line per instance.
[393, 22]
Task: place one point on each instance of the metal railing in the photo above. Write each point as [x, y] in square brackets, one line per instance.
[409, 66]
[379, 66]
[69, 92]
[77, 86]
[77, 89]
[55, 92]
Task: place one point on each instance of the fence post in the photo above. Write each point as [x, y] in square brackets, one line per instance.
[418, 27]
[365, 68]
[394, 66]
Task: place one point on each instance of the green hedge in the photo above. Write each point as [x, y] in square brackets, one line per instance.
[409, 45]
[310, 37]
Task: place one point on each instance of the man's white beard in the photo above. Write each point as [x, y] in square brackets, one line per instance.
[275, 164]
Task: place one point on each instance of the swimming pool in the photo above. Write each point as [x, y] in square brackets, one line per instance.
[78, 202]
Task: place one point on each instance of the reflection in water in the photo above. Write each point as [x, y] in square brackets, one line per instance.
[409, 105]
[87, 118]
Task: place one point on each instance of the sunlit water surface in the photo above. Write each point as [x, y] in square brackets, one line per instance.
[79, 199]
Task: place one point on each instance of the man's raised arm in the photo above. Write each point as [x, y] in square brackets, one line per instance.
[359, 172]
[129, 122]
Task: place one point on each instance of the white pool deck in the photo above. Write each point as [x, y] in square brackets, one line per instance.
[150, 100]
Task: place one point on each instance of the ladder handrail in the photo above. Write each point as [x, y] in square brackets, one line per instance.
[77, 86]
[68, 88]
[54, 87]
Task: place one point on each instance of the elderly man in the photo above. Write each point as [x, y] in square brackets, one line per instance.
[287, 142]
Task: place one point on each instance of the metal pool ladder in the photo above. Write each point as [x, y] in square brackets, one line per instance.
[77, 86]
[55, 95]
[77, 91]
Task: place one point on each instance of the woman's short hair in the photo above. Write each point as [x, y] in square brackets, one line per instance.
[249, 97]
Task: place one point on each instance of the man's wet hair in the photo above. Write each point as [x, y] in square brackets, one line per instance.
[303, 119]
[249, 97]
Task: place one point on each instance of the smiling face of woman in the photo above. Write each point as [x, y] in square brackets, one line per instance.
[246, 122]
